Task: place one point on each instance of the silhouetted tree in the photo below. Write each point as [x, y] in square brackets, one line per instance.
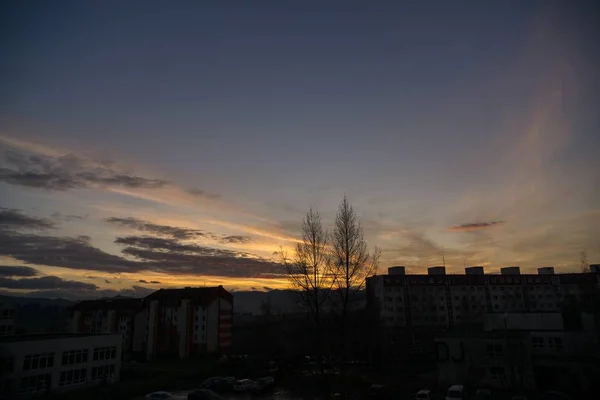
[310, 273]
[352, 264]
[585, 266]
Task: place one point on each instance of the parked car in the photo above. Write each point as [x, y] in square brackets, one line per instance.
[423, 394]
[158, 395]
[263, 384]
[456, 392]
[211, 383]
[243, 385]
[203, 394]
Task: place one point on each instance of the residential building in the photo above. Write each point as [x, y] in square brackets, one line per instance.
[412, 310]
[167, 323]
[442, 300]
[34, 364]
[116, 315]
[189, 321]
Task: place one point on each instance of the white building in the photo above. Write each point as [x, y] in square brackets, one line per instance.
[445, 301]
[34, 364]
[183, 322]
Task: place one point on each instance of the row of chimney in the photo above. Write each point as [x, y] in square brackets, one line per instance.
[401, 270]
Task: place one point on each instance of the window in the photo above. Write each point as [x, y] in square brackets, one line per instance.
[72, 357]
[537, 342]
[105, 353]
[102, 372]
[35, 361]
[555, 342]
[497, 372]
[72, 377]
[495, 350]
[34, 384]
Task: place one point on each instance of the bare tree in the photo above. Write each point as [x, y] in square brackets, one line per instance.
[310, 273]
[585, 266]
[352, 263]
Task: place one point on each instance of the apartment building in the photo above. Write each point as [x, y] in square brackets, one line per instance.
[189, 321]
[116, 315]
[36, 364]
[444, 301]
[167, 323]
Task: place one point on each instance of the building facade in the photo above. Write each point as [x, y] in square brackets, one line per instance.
[411, 310]
[190, 321]
[35, 364]
[444, 300]
[167, 323]
[108, 316]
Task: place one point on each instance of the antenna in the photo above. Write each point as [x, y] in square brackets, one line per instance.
[444, 257]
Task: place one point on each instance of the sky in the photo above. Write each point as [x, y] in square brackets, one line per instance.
[150, 144]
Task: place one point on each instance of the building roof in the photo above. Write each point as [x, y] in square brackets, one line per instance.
[202, 295]
[30, 337]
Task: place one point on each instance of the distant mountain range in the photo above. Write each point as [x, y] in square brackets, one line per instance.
[244, 302]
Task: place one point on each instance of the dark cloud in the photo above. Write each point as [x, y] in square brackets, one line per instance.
[107, 281]
[63, 252]
[22, 271]
[67, 172]
[474, 226]
[168, 255]
[268, 288]
[146, 254]
[175, 232]
[142, 281]
[14, 219]
[236, 239]
[202, 193]
[165, 230]
[45, 282]
[155, 282]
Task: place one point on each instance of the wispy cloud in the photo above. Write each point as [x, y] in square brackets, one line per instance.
[67, 172]
[15, 219]
[475, 226]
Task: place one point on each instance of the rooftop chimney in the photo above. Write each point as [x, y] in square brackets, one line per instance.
[546, 271]
[436, 270]
[397, 270]
[474, 271]
[510, 270]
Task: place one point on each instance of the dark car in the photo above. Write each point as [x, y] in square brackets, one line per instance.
[263, 385]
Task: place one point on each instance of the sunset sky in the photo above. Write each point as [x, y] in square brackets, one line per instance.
[148, 144]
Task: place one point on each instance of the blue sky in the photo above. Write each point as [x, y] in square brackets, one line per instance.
[456, 128]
